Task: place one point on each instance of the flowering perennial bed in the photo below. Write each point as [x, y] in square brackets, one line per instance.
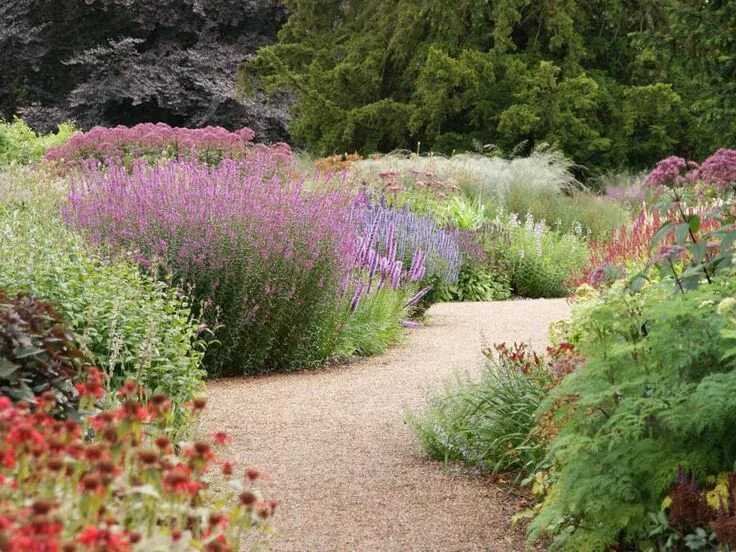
[115, 482]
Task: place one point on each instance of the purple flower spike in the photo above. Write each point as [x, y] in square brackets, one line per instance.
[418, 296]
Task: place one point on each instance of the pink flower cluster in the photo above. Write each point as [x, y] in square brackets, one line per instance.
[718, 170]
[667, 172]
[156, 140]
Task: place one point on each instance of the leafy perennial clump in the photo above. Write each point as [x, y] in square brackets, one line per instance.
[655, 395]
[38, 353]
[126, 322]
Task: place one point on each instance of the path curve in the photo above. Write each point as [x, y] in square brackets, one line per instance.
[348, 472]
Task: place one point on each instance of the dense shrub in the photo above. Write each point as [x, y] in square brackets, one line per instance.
[270, 254]
[20, 145]
[484, 274]
[127, 323]
[476, 282]
[543, 262]
[113, 481]
[154, 141]
[655, 396]
[38, 353]
[616, 84]
[541, 184]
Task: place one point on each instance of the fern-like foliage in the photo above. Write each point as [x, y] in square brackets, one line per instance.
[656, 393]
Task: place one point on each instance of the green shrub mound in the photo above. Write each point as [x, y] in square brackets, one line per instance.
[476, 282]
[488, 424]
[128, 324]
[656, 393]
[542, 260]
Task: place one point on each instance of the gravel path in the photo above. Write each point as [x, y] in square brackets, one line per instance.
[348, 472]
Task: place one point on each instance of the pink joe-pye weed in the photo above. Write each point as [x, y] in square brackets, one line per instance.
[154, 141]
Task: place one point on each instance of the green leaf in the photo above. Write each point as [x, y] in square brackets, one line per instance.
[699, 250]
[661, 233]
[681, 233]
[7, 368]
[693, 222]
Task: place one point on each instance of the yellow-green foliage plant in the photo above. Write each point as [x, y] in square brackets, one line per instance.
[20, 145]
[129, 324]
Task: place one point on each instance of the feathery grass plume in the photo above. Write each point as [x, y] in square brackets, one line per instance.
[545, 170]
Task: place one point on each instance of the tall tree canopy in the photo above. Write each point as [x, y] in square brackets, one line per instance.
[615, 83]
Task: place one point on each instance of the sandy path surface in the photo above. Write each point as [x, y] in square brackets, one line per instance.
[346, 468]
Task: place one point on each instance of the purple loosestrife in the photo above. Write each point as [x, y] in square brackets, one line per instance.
[271, 254]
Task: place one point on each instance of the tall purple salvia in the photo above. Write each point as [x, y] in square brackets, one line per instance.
[401, 234]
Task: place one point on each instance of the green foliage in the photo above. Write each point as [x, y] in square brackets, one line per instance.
[466, 214]
[489, 424]
[655, 394]
[375, 324]
[597, 217]
[127, 323]
[37, 187]
[38, 354]
[476, 282]
[543, 262]
[20, 145]
[616, 84]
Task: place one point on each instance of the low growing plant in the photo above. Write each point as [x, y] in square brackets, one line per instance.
[38, 353]
[491, 424]
[543, 261]
[114, 482]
